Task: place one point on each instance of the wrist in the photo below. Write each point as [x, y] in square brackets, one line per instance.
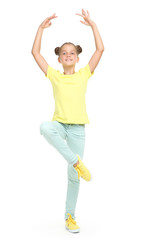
[92, 24]
[40, 28]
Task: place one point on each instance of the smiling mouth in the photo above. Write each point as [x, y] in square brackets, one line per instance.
[68, 60]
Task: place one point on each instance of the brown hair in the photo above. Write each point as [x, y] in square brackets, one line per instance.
[78, 48]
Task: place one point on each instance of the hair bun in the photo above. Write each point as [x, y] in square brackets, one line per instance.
[79, 49]
[56, 50]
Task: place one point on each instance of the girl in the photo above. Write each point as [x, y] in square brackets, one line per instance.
[66, 131]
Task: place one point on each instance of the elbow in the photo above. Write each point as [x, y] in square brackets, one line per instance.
[101, 50]
[34, 52]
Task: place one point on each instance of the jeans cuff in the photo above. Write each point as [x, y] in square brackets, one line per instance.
[75, 161]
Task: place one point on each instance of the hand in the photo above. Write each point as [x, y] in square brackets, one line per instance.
[47, 23]
[86, 17]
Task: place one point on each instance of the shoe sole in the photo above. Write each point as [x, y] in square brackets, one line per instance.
[73, 231]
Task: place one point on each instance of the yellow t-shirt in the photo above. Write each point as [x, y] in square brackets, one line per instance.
[69, 94]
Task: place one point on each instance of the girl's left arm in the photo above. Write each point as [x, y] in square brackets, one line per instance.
[99, 48]
[98, 40]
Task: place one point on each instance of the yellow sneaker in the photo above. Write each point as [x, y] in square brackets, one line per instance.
[82, 170]
[71, 225]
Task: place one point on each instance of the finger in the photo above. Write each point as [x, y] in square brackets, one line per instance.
[51, 17]
[83, 22]
[79, 14]
[88, 13]
[83, 12]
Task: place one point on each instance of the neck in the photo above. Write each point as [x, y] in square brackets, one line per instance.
[68, 70]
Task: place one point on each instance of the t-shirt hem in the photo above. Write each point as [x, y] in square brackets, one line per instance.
[69, 122]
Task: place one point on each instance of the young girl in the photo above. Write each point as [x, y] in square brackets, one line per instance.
[66, 131]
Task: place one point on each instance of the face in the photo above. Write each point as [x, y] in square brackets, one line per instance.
[68, 55]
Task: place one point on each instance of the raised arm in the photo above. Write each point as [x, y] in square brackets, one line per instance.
[37, 44]
[98, 40]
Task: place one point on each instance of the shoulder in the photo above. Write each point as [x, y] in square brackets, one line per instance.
[86, 70]
[51, 72]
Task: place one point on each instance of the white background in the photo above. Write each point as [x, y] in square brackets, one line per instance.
[122, 139]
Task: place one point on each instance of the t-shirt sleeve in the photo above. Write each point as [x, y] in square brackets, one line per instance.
[86, 72]
[87, 68]
[51, 73]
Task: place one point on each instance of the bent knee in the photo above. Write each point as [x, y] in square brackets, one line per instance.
[44, 127]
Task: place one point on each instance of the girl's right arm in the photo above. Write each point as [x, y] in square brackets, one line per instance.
[37, 44]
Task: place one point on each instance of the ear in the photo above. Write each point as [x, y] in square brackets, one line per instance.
[77, 59]
[59, 60]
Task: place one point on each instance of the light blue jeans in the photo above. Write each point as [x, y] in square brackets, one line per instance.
[69, 140]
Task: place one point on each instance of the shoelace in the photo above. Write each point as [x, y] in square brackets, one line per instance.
[70, 219]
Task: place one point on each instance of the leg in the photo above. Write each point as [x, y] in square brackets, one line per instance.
[55, 133]
[76, 142]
